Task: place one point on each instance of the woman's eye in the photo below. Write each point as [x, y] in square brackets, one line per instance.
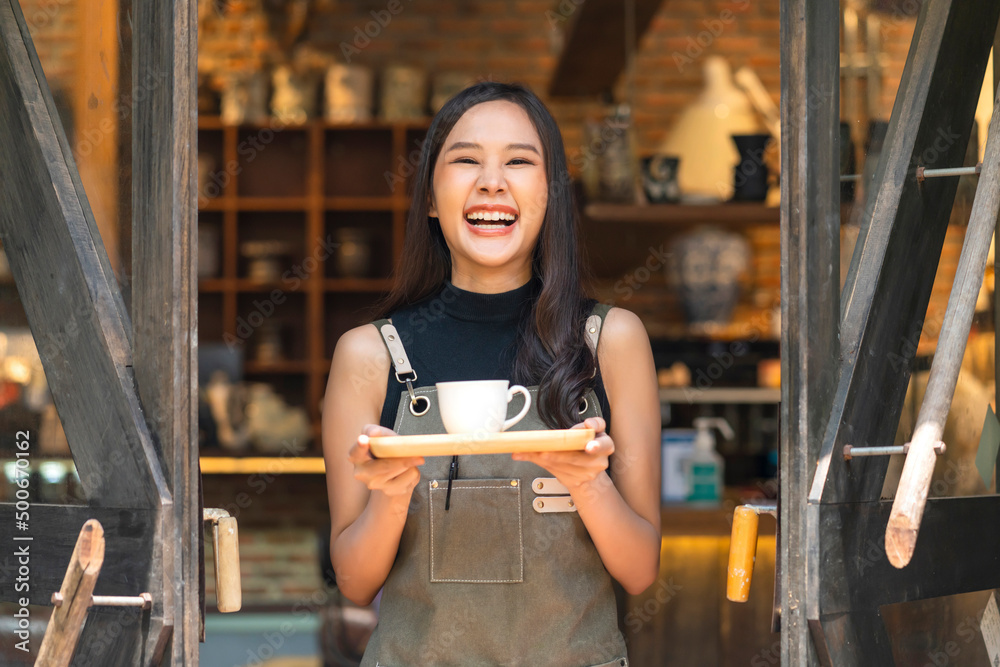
[520, 160]
[465, 160]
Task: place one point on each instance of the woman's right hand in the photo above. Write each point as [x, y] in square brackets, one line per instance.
[393, 476]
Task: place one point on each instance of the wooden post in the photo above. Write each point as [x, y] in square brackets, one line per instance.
[77, 590]
[810, 296]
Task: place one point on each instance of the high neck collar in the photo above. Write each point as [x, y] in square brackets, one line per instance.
[478, 307]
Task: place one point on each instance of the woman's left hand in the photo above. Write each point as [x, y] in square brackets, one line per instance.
[576, 469]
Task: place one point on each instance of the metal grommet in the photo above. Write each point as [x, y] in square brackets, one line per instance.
[584, 405]
[419, 412]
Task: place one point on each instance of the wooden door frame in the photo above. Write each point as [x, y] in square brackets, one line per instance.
[845, 368]
[125, 388]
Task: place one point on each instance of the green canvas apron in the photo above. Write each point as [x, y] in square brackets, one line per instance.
[508, 574]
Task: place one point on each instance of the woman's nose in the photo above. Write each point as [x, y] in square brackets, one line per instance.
[491, 181]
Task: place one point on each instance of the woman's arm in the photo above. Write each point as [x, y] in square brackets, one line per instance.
[622, 517]
[368, 498]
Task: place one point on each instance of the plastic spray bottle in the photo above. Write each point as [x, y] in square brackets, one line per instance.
[705, 466]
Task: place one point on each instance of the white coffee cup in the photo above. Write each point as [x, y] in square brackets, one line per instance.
[479, 406]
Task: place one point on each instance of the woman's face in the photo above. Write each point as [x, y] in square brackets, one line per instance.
[489, 192]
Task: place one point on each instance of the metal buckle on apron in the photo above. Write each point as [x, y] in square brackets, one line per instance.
[414, 399]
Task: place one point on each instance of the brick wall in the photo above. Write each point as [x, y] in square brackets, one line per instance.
[519, 40]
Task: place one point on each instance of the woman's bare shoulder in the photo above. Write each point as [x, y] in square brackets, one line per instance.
[360, 353]
[622, 328]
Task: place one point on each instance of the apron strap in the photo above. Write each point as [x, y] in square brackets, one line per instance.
[396, 351]
[594, 323]
[419, 405]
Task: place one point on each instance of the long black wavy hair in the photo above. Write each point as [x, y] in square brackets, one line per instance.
[553, 351]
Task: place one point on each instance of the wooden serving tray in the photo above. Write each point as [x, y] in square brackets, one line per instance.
[450, 444]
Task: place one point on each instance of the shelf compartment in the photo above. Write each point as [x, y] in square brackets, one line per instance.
[272, 204]
[278, 367]
[213, 180]
[357, 163]
[359, 203]
[343, 312]
[269, 326]
[210, 245]
[739, 214]
[291, 387]
[357, 233]
[210, 318]
[357, 284]
[415, 138]
[286, 227]
[272, 163]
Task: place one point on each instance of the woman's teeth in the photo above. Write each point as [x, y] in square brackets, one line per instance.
[479, 217]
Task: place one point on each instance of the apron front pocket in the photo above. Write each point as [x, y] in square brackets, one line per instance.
[479, 539]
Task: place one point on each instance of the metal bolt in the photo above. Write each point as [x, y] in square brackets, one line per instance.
[541, 485]
[145, 600]
[540, 504]
[593, 329]
[391, 337]
[513, 482]
[434, 484]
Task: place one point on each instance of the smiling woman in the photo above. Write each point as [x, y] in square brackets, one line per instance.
[519, 546]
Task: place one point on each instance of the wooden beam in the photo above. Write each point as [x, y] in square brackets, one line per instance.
[164, 291]
[594, 54]
[72, 302]
[810, 249]
[859, 575]
[128, 533]
[892, 270]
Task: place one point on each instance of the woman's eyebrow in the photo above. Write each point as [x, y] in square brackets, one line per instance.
[467, 145]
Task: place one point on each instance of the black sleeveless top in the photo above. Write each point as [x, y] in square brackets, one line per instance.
[458, 335]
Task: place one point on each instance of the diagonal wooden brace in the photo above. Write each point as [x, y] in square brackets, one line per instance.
[914, 484]
[76, 591]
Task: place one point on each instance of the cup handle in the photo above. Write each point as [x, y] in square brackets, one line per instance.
[517, 389]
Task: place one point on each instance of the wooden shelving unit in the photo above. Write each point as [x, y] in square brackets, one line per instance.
[739, 214]
[299, 185]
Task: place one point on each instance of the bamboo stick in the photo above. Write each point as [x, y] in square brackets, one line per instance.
[77, 590]
[914, 484]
